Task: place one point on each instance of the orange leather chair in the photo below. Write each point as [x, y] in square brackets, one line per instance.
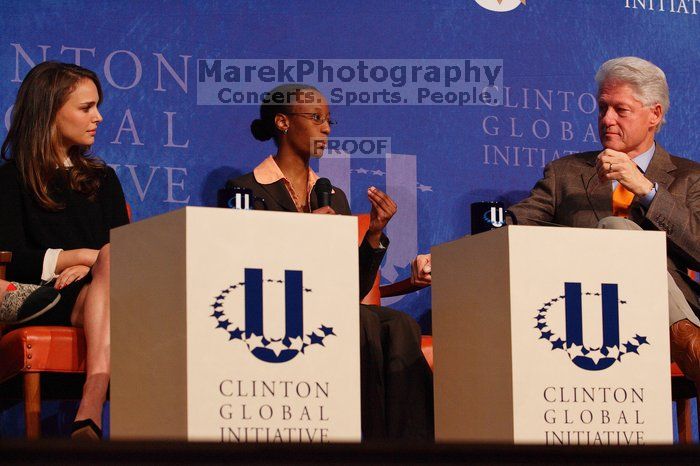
[682, 391]
[30, 351]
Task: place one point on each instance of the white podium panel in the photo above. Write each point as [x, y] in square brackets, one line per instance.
[555, 336]
[236, 326]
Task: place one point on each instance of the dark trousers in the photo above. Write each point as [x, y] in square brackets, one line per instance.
[397, 383]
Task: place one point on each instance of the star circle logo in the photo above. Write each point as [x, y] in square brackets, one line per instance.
[569, 320]
[500, 6]
[246, 325]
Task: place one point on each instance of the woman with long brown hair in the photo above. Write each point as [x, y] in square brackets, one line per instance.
[57, 205]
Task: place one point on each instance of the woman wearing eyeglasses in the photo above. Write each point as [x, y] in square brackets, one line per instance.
[396, 382]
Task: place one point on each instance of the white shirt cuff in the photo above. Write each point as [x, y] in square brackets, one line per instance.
[48, 271]
[646, 200]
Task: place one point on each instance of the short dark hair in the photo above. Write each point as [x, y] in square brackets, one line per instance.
[281, 99]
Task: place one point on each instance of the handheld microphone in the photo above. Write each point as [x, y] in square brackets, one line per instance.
[324, 191]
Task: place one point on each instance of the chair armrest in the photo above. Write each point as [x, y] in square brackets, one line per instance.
[399, 288]
[386, 291]
[42, 349]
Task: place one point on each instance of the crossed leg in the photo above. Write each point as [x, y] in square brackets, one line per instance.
[91, 312]
[684, 325]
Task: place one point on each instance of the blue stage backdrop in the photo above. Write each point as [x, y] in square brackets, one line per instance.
[175, 134]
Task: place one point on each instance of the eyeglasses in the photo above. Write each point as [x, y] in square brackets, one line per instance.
[315, 117]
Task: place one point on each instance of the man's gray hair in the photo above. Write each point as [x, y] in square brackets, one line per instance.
[648, 81]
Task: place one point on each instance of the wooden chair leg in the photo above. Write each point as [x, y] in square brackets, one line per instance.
[683, 416]
[32, 405]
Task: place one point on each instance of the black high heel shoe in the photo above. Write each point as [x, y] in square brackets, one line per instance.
[85, 429]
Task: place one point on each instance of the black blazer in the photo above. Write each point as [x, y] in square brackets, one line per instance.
[277, 198]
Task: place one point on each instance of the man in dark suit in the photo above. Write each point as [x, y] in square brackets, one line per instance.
[634, 183]
[633, 178]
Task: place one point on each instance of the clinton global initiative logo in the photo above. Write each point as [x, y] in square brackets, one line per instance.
[494, 217]
[553, 321]
[244, 320]
[501, 6]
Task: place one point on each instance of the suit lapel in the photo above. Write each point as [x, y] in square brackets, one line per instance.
[660, 167]
[277, 192]
[599, 194]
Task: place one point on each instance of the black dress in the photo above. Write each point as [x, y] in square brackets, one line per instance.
[28, 230]
[396, 380]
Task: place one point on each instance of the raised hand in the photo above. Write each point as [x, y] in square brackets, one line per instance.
[614, 165]
[383, 208]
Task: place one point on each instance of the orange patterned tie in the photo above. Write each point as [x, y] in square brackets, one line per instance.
[621, 199]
